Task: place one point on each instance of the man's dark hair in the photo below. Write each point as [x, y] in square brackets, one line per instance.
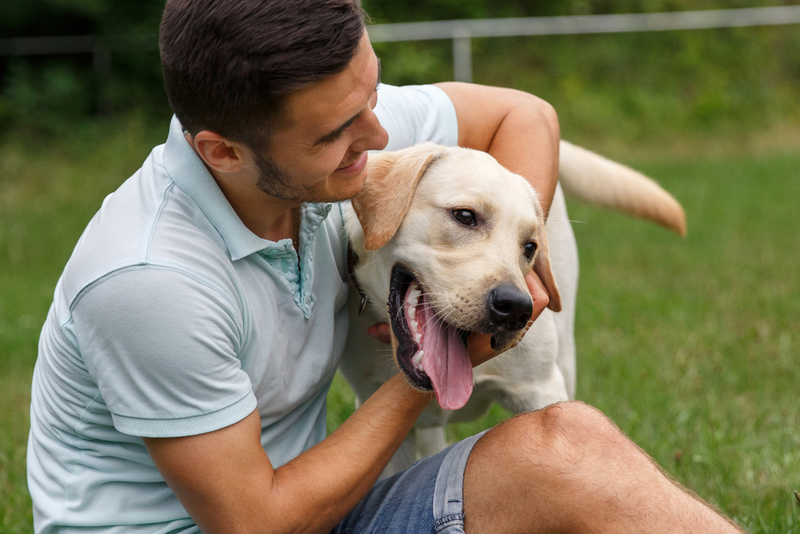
[229, 65]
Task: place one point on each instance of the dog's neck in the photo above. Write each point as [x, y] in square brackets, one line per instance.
[352, 264]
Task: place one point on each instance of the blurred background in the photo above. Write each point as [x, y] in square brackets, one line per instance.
[689, 345]
[650, 85]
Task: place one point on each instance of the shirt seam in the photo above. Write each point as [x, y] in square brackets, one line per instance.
[142, 265]
[157, 218]
[188, 417]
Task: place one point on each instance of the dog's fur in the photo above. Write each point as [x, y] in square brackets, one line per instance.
[404, 215]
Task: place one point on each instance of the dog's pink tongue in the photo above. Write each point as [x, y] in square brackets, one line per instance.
[446, 362]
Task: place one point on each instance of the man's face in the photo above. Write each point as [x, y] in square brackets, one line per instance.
[321, 155]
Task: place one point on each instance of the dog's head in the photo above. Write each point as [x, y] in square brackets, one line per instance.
[448, 236]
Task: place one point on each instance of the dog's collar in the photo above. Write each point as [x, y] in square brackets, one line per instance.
[352, 261]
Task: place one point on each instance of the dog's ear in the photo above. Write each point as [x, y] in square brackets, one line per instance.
[542, 267]
[392, 178]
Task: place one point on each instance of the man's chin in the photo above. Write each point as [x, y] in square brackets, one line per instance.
[344, 187]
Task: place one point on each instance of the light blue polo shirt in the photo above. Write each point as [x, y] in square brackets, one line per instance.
[171, 319]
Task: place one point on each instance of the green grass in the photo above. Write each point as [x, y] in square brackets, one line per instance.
[689, 345]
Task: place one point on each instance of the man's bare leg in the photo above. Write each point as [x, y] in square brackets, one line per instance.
[567, 468]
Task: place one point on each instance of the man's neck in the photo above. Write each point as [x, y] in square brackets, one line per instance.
[266, 216]
[287, 226]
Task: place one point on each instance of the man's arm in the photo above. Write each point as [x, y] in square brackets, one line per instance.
[520, 130]
[227, 484]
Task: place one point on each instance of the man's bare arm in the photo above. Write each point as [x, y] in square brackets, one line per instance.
[227, 484]
[520, 130]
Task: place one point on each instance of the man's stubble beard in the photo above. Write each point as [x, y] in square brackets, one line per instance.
[277, 183]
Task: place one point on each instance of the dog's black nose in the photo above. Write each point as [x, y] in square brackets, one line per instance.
[509, 307]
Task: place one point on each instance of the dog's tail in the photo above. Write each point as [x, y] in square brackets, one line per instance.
[596, 180]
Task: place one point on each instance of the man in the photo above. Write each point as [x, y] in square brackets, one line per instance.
[184, 363]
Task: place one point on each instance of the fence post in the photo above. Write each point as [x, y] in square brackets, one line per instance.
[462, 54]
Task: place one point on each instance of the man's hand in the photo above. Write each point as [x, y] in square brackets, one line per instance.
[479, 345]
[382, 332]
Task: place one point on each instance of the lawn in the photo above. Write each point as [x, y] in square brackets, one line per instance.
[689, 345]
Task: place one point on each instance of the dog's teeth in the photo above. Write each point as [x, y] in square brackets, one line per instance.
[414, 301]
[418, 338]
[412, 311]
[414, 326]
[414, 292]
[417, 360]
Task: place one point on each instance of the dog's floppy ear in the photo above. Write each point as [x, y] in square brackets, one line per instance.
[391, 180]
[542, 267]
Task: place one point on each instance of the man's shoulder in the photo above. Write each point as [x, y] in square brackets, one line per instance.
[147, 223]
[414, 114]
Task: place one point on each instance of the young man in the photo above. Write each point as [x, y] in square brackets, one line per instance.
[184, 364]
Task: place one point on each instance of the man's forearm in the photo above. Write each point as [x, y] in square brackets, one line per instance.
[350, 460]
[227, 483]
[526, 143]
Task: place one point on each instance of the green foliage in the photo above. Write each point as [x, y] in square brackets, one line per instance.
[694, 81]
[47, 98]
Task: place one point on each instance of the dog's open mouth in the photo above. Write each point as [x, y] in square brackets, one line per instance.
[431, 353]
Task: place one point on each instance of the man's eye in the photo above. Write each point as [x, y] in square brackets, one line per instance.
[465, 217]
[530, 250]
[334, 137]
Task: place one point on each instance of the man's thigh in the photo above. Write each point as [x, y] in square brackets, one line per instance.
[426, 497]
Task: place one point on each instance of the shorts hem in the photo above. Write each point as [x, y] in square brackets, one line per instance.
[449, 523]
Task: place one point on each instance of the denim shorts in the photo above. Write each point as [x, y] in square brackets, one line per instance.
[425, 498]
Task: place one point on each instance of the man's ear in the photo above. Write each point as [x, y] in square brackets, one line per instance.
[392, 178]
[218, 152]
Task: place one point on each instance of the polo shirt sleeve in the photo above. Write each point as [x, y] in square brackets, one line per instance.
[162, 347]
[414, 114]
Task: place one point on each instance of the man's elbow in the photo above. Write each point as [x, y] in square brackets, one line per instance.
[549, 116]
[540, 111]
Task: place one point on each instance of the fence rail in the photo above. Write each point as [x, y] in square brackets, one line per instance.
[461, 32]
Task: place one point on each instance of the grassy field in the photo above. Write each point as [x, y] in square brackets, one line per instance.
[689, 345]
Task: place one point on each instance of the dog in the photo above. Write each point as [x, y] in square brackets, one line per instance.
[441, 240]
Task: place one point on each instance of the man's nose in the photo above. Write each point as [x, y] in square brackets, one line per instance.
[371, 135]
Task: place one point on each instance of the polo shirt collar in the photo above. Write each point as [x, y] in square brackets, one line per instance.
[187, 170]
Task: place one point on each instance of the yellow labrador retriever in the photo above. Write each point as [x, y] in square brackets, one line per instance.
[442, 239]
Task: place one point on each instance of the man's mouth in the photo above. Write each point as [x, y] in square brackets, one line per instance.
[431, 353]
[354, 166]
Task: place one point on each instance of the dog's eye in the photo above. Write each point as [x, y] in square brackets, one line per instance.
[530, 250]
[465, 217]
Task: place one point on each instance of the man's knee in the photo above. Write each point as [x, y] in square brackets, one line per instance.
[552, 441]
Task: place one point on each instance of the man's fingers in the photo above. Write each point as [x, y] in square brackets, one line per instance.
[541, 298]
[381, 332]
[479, 347]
